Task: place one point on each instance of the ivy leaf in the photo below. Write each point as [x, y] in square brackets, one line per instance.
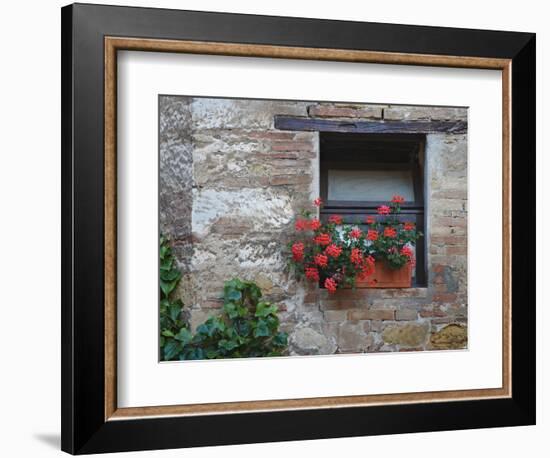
[167, 333]
[227, 344]
[280, 339]
[231, 310]
[233, 295]
[166, 264]
[264, 309]
[184, 336]
[171, 349]
[171, 275]
[235, 283]
[242, 328]
[254, 291]
[195, 353]
[212, 354]
[203, 329]
[272, 322]
[261, 329]
[168, 286]
[175, 311]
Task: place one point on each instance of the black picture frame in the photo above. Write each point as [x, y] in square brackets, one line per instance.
[84, 428]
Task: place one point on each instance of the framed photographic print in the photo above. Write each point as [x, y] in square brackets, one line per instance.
[271, 222]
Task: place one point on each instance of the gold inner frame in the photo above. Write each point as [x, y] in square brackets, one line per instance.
[112, 45]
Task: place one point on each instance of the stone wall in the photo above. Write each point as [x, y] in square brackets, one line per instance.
[230, 187]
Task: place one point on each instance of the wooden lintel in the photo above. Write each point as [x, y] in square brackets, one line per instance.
[369, 127]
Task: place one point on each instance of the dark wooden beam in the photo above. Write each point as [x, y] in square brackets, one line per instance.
[370, 127]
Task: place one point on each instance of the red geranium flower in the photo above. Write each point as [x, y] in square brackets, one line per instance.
[321, 260]
[318, 202]
[355, 233]
[398, 199]
[330, 285]
[384, 210]
[314, 224]
[367, 269]
[408, 226]
[301, 225]
[333, 250]
[407, 251]
[372, 235]
[390, 232]
[312, 273]
[335, 219]
[322, 239]
[298, 251]
[370, 220]
[356, 256]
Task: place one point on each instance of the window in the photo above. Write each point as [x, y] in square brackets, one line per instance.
[360, 172]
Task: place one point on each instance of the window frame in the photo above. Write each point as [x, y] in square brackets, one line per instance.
[350, 210]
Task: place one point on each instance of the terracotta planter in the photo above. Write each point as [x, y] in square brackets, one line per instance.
[386, 277]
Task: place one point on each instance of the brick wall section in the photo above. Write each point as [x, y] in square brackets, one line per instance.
[231, 214]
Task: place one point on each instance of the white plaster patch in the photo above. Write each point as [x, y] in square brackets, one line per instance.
[263, 208]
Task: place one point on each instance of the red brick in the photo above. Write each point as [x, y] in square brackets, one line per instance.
[438, 268]
[279, 180]
[449, 221]
[444, 297]
[272, 135]
[212, 304]
[448, 239]
[311, 297]
[359, 293]
[456, 250]
[292, 146]
[337, 304]
[331, 111]
[440, 288]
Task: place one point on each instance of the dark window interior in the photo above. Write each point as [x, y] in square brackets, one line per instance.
[360, 172]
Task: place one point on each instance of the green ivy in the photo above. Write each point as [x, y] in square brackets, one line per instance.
[247, 326]
[171, 322]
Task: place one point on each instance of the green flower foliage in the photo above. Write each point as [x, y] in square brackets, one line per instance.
[247, 327]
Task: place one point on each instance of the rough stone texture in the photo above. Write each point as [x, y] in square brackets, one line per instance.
[452, 336]
[230, 187]
[345, 111]
[308, 341]
[408, 335]
[176, 177]
[398, 113]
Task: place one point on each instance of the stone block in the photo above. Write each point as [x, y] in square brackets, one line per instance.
[399, 113]
[310, 341]
[335, 315]
[406, 315]
[371, 314]
[353, 338]
[408, 335]
[452, 336]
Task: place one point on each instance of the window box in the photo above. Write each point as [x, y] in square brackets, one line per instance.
[386, 277]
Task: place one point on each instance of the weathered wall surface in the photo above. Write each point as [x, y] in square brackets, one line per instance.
[230, 187]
